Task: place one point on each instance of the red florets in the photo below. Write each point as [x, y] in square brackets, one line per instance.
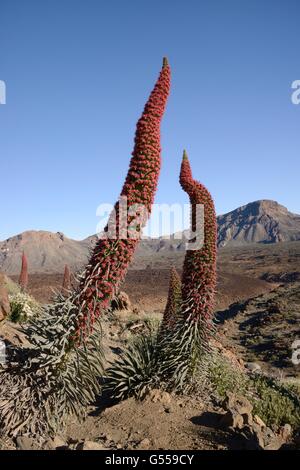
[66, 285]
[174, 300]
[23, 279]
[199, 270]
[110, 259]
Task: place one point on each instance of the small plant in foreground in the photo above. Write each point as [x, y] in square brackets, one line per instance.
[22, 307]
[274, 402]
[134, 372]
[225, 378]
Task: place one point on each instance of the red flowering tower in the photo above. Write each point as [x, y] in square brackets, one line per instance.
[62, 369]
[111, 256]
[23, 279]
[199, 269]
[66, 285]
[174, 300]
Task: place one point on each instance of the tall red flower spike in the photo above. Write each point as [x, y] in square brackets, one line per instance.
[199, 269]
[66, 285]
[23, 279]
[110, 259]
[174, 300]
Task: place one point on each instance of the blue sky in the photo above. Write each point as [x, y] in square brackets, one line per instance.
[78, 73]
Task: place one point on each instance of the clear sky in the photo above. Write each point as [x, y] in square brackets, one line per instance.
[78, 73]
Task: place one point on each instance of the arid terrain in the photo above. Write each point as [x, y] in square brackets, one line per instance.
[243, 272]
[252, 280]
[260, 222]
[257, 315]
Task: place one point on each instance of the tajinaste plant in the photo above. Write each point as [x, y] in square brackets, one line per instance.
[174, 301]
[66, 285]
[183, 349]
[59, 373]
[111, 257]
[23, 279]
[174, 358]
[199, 268]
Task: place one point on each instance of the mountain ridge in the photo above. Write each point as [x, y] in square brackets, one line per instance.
[261, 221]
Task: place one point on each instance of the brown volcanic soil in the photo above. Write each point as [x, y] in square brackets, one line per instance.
[267, 261]
[160, 421]
[178, 424]
[263, 329]
[43, 286]
[148, 288]
[191, 422]
[147, 281]
[239, 279]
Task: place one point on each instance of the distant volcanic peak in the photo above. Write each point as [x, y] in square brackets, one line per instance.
[37, 235]
[46, 252]
[256, 208]
[268, 206]
[262, 221]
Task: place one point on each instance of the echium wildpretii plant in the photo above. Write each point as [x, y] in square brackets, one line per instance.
[137, 368]
[176, 354]
[199, 268]
[23, 278]
[66, 284]
[174, 300]
[110, 259]
[59, 373]
[184, 349]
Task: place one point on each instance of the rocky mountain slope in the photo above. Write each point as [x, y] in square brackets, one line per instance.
[46, 252]
[264, 329]
[257, 222]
